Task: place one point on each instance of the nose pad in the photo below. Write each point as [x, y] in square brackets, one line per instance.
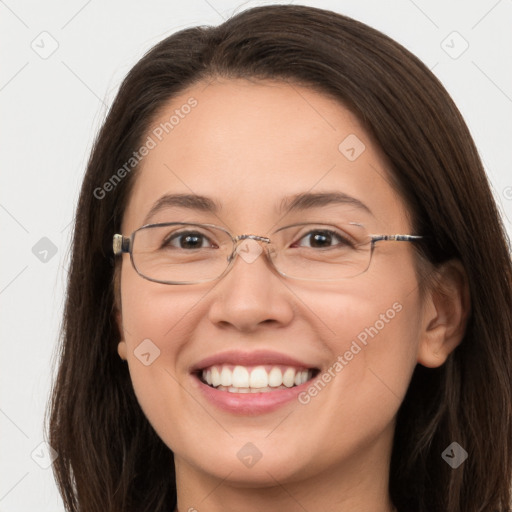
[249, 250]
[248, 247]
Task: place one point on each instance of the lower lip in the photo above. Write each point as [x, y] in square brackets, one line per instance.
[250, 403]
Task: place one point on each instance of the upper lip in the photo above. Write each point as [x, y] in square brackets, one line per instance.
[255, 358]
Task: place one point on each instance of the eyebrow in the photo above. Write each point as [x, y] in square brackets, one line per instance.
[308, 200]
[298, 202]
[189, 201]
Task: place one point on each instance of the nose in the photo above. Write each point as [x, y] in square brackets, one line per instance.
[252, 293]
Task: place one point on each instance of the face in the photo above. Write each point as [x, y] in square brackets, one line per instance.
[249, 146]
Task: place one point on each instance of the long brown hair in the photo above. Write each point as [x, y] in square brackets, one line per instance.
[110, 458]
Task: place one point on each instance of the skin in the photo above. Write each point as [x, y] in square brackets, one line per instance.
[248, 144]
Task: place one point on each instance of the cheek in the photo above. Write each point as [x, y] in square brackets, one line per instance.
[162, 313]
[373, 344]
[152, 310]
[157, 324]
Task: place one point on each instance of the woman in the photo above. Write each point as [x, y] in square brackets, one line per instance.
[290, 287]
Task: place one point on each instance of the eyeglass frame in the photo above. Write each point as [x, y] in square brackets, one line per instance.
[124, 245]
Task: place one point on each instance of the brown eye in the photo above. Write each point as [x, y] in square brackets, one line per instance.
[187, 240]
[320, 239]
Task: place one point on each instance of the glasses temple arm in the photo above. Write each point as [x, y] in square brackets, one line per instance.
[396, 238]
[121, 244]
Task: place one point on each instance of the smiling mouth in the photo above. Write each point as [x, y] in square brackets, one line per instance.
[254, 379]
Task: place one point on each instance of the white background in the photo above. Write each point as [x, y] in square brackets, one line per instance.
[51, 109]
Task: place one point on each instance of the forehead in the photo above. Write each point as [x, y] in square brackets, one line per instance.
[250, 144]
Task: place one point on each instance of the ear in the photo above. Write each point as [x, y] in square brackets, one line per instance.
[121, 346]
[445, 314]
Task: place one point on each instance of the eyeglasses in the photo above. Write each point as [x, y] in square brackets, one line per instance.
[188, 253]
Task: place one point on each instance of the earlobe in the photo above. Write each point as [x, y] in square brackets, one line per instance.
[121, 350]
[446, 311]
[121, 346]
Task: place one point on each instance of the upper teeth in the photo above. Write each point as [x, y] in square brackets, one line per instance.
[255, 377]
